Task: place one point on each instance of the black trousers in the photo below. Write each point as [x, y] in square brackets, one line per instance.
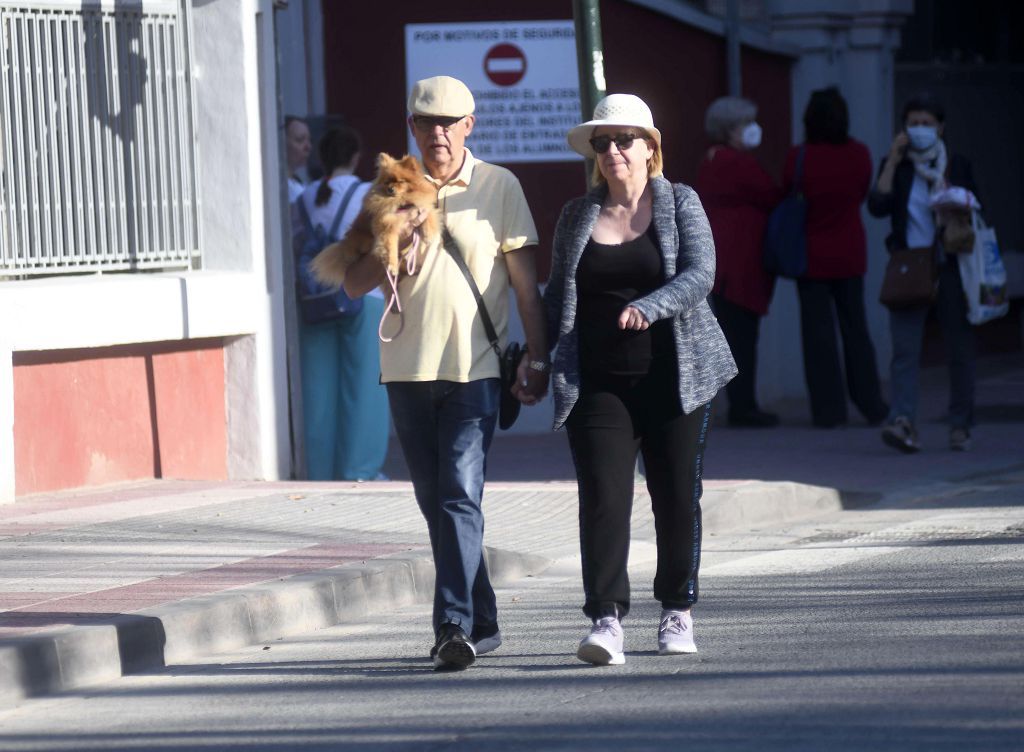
[740, 326]
[613, 419]
[821, 303]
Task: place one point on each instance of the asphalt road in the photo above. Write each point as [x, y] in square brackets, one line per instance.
[881, 628]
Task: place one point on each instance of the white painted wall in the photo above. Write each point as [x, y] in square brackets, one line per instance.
[241, 178]
[238, 293]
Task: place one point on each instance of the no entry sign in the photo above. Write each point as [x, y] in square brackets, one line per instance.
[523, 78]
[505, 64]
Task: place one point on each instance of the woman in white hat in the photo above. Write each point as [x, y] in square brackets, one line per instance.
[640, 357]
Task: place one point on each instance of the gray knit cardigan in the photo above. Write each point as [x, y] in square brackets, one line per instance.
[688, 257]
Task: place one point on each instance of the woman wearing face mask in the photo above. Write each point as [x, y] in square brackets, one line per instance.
[738, 195]
[835, 181]
[918, 164]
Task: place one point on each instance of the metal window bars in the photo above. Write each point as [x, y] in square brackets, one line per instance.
[97, 137]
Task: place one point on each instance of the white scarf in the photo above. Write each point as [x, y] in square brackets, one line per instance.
[930, 164]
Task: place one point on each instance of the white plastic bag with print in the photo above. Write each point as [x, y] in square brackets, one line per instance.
[984, 276]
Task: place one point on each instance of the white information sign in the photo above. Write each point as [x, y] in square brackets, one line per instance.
[523, 77]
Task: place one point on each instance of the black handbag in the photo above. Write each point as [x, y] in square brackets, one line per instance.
[508, 361]
[785, 236]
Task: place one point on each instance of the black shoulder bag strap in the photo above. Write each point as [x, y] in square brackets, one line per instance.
[453, 250]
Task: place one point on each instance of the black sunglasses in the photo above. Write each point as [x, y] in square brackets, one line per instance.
[622, 140]
[426, 123]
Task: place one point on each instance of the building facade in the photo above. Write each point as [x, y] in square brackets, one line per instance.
[142, 331]
[145, 315]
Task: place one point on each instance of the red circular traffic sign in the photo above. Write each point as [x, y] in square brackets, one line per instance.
[505, 64]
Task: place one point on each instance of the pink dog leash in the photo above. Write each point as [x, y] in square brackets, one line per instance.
[394, 303]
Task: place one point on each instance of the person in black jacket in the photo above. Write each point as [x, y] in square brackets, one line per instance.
[918, 165]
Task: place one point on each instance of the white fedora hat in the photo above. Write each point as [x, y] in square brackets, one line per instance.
[615, 109]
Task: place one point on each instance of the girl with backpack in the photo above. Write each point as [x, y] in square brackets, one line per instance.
[344, 406]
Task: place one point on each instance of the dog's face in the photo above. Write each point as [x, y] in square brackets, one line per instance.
[401, 182]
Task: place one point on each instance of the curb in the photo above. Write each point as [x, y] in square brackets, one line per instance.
[71, 658]
[753, 504]
[77, 657]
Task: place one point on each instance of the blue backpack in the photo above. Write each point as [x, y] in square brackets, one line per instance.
[319, 302]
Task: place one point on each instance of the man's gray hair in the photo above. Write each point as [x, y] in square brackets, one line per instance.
[724, 114]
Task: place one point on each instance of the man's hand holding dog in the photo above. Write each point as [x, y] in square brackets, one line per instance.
[414, 218]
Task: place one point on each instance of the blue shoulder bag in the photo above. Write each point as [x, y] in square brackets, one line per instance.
[785, 237]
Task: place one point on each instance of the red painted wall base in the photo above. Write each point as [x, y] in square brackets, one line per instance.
[88, 417]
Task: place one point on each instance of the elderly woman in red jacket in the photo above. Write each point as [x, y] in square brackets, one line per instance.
[837, 174]
[738, 195]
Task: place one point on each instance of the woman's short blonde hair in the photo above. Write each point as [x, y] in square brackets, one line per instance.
[655, 164]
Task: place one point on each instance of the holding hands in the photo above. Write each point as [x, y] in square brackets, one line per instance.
[531, 381]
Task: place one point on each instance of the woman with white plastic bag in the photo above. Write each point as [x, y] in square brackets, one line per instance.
[917, 168]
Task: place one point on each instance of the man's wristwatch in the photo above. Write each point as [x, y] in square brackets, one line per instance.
[539, 365]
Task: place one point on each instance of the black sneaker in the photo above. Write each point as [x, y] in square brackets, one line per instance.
[485, 637]
[959, 439]
[900, 434]
[453, 651]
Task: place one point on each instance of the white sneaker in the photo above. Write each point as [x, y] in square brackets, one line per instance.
[675, 633]
[603, 646]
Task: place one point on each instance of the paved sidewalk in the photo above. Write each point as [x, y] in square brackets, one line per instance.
[108, 581]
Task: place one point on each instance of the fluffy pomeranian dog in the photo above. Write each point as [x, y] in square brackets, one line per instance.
[400, 185]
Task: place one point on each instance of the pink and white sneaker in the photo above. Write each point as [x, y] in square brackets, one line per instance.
[603, 646]
[675, 633]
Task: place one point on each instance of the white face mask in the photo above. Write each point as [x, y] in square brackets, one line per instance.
[751, 136]
[922, 137]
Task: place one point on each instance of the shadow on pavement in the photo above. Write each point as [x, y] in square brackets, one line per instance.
[849, 458]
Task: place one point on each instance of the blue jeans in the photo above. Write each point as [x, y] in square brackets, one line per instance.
[445, 429]
[907, 333]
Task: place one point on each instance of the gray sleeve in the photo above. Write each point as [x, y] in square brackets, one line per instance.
[554, 291]
[695, 262]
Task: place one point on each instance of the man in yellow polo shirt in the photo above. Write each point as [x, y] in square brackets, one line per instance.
[440, 371]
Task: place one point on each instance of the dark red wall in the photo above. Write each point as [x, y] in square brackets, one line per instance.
[676, 69]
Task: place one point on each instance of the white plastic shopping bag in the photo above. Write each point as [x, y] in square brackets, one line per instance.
[984, 276]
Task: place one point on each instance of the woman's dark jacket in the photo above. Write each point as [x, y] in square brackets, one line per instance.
[688, 260]
[894, 204]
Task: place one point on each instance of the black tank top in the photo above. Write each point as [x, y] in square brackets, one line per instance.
[607, 279]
